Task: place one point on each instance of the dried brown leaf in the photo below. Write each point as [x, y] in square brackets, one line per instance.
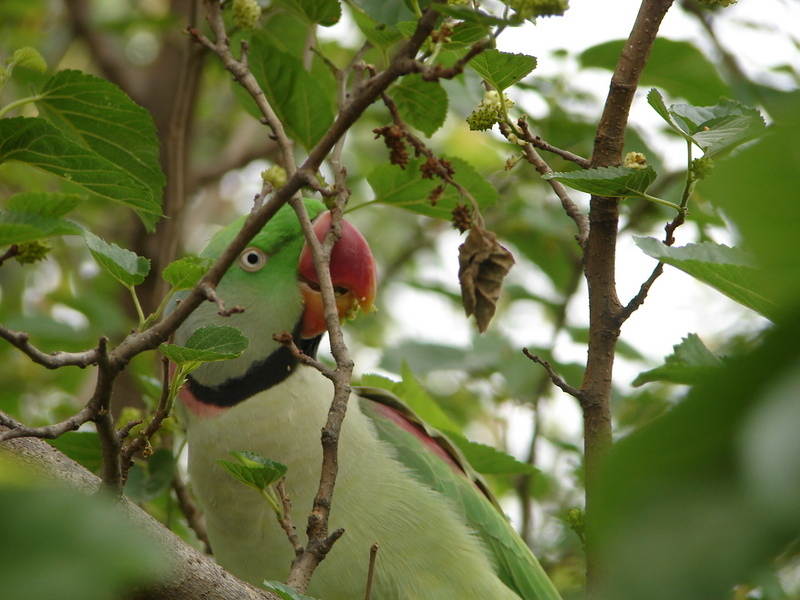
[483, 264]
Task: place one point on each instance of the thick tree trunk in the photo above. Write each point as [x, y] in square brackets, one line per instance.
[187, 575]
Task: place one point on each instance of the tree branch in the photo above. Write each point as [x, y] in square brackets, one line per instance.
[186, 575]
[599, 267]
[641, 295]
[222, 48]
[555, 377]
[533, 157]
[54, 360]
[539, 143]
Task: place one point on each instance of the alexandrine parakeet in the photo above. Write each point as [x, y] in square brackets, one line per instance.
[441, 535]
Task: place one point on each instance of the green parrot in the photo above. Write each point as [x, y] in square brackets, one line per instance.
[441, 534]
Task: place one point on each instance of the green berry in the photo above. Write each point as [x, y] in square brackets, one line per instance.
[482, 119]
[275, 175]
[529, 9]
[702, 167]
[246, 14]
[31, 252]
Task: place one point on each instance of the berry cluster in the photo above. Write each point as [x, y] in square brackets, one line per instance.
[489, 111]
[529, 9]
[246, 14]
[702, 167]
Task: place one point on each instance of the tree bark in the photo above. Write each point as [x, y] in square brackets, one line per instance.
[605, 309]
[187, 575]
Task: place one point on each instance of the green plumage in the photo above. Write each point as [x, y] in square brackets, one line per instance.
[440, 537]
[515, 564]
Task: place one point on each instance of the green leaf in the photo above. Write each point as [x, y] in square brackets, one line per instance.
[718, 470]
[465, 13]
[389, 13]
[295, 95]
[100, 116]
[728, 270]
[183, 274]
[324, 12]
[690, 363]
[466, 34]
[502, 69]
[37, 215]
[125, 266]
[30, 58]
[81, 446]
[406, 188]
[418, 400]
[253, 469]
[422, 104]
[147, 482]
[488, 460]
[208, 344]
[713, 128]
[378, 34]
[36, 142]
[608, 181]
[284, 591]
[44, 204]
[677, 67]
[757, 188]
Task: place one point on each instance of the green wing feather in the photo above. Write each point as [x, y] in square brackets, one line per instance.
[515, 564]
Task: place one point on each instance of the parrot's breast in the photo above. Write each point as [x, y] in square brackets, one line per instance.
[427, 551]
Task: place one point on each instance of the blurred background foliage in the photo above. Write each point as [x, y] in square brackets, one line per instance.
[701, 462]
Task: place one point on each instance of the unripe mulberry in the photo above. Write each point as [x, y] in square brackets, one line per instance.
[246, 14]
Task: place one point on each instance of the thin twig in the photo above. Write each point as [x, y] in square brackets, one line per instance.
[373, 554]
[573, 210]
[12, 251]
[319, 541]
[641, 295]
[54, 360]
[439, 71]
[287, 340]
[221, 47]
[142, 441]
[555, 377]
[194, 516]
[286, 521]
[434, 165]
[535, 140]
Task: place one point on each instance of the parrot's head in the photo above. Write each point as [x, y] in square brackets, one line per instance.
[275, 282]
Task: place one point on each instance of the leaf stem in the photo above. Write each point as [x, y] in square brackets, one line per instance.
[137, 304]
[16, 103]
[657, 200]
[690, 179]
[273, 501]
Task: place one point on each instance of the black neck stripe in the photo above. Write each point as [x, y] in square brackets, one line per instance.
[262, 375]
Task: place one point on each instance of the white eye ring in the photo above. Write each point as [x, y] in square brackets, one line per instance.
[252, 259]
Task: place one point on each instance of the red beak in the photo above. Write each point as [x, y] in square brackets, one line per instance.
[352, 272]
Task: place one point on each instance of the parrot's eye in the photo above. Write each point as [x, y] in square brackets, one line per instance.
[252, 259]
